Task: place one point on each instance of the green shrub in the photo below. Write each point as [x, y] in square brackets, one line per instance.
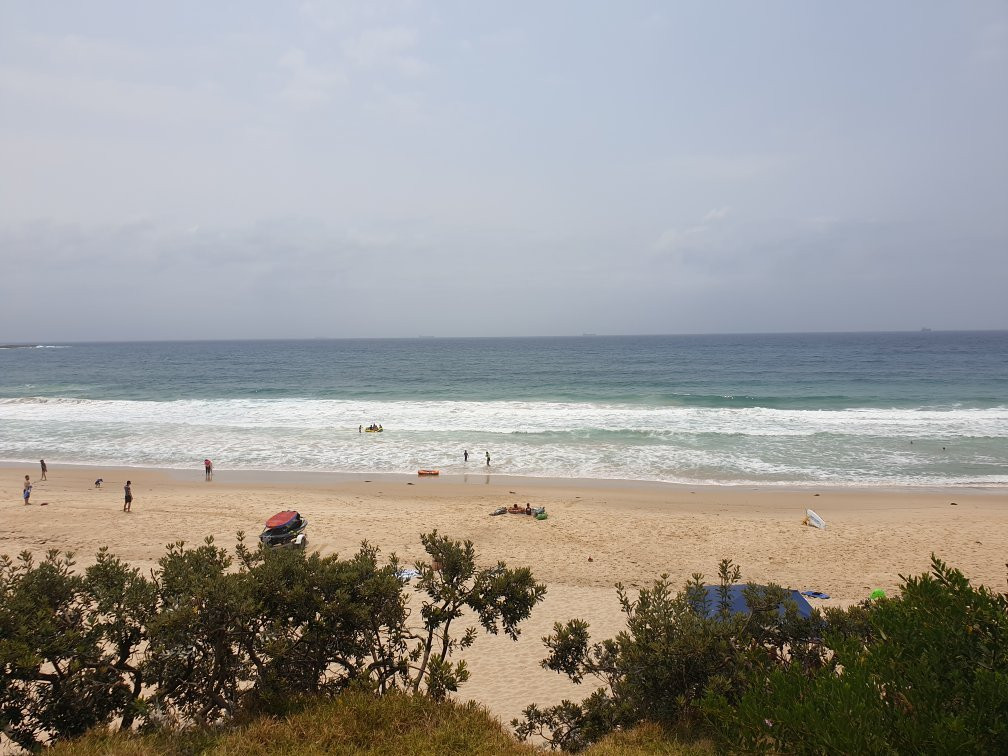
[924, 672]
[68, 645]
[502, 598]
[213, 636]
[669, 657]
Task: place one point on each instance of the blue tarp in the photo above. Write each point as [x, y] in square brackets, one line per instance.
[738, 602]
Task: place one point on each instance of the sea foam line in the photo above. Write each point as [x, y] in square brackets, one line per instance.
[510, 417]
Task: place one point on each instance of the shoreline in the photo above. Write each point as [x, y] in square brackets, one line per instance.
[598, 533]
[327, 477]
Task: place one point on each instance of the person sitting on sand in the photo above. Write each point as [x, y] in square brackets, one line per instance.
[515, 509]
[528, 508]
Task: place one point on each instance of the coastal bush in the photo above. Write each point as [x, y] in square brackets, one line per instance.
[671, 655]
[924, 672]
[213, 636]
[500, 597]
[285, 624]
[68, 645]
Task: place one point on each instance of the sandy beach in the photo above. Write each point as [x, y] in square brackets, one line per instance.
[598, 533]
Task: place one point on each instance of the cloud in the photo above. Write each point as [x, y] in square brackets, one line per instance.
[81, 51]
[724, 168]
[991, 46]
[107, 97]
[717, 214]
[308, 84]
[371, 52]
[386, 48]
[674, 240]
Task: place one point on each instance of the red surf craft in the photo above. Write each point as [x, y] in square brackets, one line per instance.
[280, 519]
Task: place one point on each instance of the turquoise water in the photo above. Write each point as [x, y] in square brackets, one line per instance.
[927, 408]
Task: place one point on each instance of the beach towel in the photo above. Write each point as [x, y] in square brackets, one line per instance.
[815, 594]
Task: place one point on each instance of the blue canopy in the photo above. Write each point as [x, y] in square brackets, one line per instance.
[738, 603]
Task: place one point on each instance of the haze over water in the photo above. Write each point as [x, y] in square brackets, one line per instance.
[928, 408]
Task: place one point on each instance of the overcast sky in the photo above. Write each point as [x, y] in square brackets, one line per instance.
[304, 169]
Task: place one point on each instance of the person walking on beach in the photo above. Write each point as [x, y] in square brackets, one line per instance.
[27, 489]
[209, 469]
[44, 468]
[128, 501]
[488, 459]
[465, 455]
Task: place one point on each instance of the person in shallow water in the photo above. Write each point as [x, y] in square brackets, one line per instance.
[488, 459]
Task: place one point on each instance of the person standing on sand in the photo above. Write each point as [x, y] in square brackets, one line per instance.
[44, 468]
[488, 459]
[27, 489]
[465, 455]
[128, 502]
[209, 469]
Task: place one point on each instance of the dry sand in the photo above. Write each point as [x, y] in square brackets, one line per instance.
[598, 533]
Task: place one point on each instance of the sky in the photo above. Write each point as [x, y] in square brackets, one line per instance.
[254, 169]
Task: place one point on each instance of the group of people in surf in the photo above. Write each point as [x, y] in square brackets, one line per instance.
[374, 428]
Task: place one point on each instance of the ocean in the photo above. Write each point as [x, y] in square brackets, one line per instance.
[860, 409]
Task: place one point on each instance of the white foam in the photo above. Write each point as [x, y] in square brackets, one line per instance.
[675, 444]
[516, 417]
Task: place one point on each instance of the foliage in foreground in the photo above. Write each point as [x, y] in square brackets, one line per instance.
[928, 675]
[650, 738]
[366, 724]
[210, 636]
[213, 638]
[924, 672]
[669, 657]
[354, 722]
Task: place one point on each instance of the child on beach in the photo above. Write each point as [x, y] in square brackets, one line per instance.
[27, 489]
[129, 497]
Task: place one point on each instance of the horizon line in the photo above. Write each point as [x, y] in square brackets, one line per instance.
[423, 337]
